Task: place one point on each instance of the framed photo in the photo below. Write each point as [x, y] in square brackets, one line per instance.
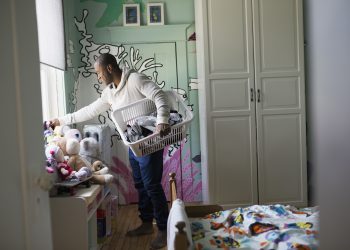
[155, 14]
[131, 14]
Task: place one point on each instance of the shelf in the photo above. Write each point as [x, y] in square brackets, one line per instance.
[144, 34]
[74, 220]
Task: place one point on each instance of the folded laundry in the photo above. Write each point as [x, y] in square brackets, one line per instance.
[174, 118]
[136, 132]
[143, 126]
[146, 121]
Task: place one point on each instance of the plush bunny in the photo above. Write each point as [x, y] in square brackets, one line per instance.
[73, 133]
[89, 150]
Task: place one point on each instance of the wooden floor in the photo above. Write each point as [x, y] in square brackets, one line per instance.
[127, 219]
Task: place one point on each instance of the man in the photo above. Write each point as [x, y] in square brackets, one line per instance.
[123, 88]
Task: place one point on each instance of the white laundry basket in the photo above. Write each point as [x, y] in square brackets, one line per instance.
[126, 116]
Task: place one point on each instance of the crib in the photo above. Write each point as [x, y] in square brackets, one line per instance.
[255, 227]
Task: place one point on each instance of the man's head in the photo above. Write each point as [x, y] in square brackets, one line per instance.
[107, 68]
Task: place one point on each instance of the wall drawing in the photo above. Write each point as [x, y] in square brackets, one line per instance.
[177, 158]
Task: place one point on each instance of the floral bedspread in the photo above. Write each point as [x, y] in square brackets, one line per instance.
[258, 227]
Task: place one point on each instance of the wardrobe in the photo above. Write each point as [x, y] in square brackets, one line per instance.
[250, 57]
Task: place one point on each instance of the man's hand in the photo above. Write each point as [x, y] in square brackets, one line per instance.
[54, 122]
[163, 129]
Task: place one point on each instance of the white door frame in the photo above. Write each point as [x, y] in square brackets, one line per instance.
[24, 211]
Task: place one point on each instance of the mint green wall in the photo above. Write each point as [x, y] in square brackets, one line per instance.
[104, 13]
[109, 12]
[102, 22]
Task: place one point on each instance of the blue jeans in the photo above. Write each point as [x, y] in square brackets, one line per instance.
[147, 173]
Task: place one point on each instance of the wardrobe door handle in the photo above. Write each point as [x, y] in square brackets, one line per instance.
[258, 95]
[251, 94]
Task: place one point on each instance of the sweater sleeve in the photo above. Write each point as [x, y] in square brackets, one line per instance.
[87, 112]
[149, 89]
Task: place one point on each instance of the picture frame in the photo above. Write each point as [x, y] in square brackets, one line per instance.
[155, 13]
[131, 14]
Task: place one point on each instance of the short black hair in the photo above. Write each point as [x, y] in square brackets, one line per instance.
[106, 59]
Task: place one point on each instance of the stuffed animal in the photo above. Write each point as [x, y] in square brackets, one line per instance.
[56, 160]
[89, 150]
[77, 162]
[61, 130]
[56, 136]
[49, 138]
[48, 133]
[72, 133]
[61, 142]
[63, 134]
[55, 156]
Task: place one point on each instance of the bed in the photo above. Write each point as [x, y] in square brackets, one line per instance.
[255, 227]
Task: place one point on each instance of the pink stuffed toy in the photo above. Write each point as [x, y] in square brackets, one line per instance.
[56, 158]
[55, 155]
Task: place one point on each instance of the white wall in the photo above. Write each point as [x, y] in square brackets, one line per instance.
[328, 81]
[24, 207]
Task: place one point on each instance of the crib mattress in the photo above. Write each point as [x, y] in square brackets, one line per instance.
[258, 227]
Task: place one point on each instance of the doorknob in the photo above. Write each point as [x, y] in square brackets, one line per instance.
[258, 95]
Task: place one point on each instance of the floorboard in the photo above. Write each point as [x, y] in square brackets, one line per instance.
[127, 219]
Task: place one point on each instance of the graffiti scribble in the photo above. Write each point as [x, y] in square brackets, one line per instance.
[177, 157]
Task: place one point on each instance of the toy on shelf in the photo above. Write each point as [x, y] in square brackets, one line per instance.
[78, 152]
[56, 162]
[55, 156]
[77, 162]
[89, 150]
[68, 178]
[72, 133]
[74, 160]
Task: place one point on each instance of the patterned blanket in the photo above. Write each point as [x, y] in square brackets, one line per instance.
[258, 227]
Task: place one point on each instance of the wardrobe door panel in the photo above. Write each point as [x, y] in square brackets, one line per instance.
[282, 173]
[234, 178]
[278, 35]
[228, 37]
[280, 93]
[222, 101]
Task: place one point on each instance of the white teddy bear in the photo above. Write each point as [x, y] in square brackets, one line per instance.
[89, 150]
